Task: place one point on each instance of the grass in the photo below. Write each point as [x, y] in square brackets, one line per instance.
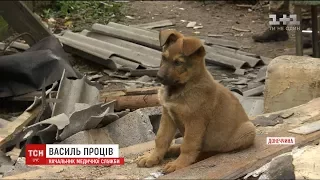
[78, 15]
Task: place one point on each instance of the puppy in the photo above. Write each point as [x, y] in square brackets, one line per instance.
[208, 115]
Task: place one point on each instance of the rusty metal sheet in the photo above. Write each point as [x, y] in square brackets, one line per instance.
[111, 49]
[233, 166]
[136, 35]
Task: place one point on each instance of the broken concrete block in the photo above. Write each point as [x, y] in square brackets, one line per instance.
[152, 111]
[92, 136]
[291, 81]
[306, 163]
[131, 129]
[154, 114]
[280, 168]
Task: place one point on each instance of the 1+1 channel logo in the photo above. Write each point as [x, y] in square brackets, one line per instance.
[289, 23]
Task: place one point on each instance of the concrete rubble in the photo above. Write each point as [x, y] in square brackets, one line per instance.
[291, 81]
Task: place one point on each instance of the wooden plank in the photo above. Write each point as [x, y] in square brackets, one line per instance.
[298, 33]
[134, 102]
[233, 166]
[142, 91]
[129, 92]
[3, 122]
[307, 129]
[132, 98]
[315, 39]
[8, 132]
[22, 20]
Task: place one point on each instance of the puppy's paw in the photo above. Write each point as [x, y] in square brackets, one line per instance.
[148, 160]
[172, 166]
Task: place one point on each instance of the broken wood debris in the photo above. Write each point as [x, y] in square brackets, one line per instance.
[134, 102]
[11, 129]
[239, 29]
[215, 35]
[307, 128]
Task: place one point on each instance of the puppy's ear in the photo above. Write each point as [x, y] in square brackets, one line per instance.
[169, 36]
[191, 46]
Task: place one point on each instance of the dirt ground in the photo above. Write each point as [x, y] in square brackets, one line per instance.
[216, 17]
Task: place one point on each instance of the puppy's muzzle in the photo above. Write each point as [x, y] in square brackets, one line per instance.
[165, 80]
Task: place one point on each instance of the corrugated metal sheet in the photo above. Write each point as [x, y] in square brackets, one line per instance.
[122, 43]
[104, 49]
[237, 60]
[136, 35]
[224, 56]
[78, 109]
[71, 92]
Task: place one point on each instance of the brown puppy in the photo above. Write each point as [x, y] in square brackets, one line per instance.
[208, 115]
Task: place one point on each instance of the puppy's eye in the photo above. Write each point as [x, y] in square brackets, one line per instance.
[178, 63]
